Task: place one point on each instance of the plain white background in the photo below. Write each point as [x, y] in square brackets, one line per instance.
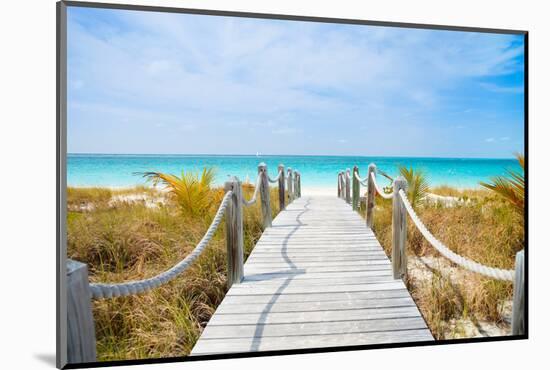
[27, 197]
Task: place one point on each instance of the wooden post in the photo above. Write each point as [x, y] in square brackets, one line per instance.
[264, 195]
[355, 189]
[347, 177]
[399, 230]
[344, 192]
[281, 169]
[342, 186]
[298, 184]
[295, 184]
[339, 187]
[289, 185]
[518, 306]
[371, 192]
[234, 231]
[80, 321]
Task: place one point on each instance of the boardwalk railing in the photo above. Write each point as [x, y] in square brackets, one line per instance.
[81, 347]
[401, 206]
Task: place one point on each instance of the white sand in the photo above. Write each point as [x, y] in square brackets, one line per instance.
[319, 191]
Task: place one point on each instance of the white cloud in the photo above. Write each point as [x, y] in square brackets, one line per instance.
[187, 127]
[265, 67]
[286, 131]
[258, 76]
[493, 139]
[156, 67]
[502, 89]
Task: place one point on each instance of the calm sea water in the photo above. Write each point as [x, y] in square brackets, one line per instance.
[317, 171]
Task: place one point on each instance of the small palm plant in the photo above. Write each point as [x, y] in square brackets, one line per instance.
[511, 188]
[192, 192]
[417, 183]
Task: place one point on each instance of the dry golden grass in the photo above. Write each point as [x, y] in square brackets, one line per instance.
[129, 241]
[486, 229]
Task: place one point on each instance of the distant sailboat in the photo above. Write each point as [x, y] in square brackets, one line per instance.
[258, 154]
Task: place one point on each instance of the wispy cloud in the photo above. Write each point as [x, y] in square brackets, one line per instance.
[502, 89]
[493, 139]
[187, 127]
[250, 77]
[286, 131]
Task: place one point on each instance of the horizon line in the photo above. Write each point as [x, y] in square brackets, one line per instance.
[283, 155]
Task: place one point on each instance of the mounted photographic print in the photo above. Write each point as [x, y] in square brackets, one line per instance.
[247, 184]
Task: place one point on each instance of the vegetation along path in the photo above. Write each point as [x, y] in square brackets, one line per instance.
[317, 277]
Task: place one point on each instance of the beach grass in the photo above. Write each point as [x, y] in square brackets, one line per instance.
[134, 233]
[122, 235]
[486, 229]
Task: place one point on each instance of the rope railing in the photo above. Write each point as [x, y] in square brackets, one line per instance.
[495, 273]
[80, 292]
[254, 196]
[384, 174]
[100, 290]
[103, 290]
[276, 179]
[378, 190]
[361, 181]
[400, 208]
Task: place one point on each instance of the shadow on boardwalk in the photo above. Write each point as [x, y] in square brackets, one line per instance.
[284, 252]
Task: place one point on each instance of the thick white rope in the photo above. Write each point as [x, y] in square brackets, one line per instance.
[492, 272]
[276, 179]
[378, 190]
[384, 174]
[254, 196]
[361, 181]
[100, 290]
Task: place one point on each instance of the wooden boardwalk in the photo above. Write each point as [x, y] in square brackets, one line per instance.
[317, 278]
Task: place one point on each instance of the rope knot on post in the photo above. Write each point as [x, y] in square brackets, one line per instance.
[263, 183]
[281, 169]
[370, 195]
[290, 185]
[355, 189]
[234, 232]
[399, 230]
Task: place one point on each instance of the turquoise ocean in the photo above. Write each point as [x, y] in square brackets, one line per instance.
[119, 170]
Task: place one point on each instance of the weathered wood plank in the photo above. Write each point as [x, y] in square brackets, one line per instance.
[316, 297]
[281, 184]
[518, 307]
[399, 231]
[81, 346]
[264, 195]
[241, 345]
[313, 328]
[346, 304]
[234, 232]
[317, 316]
[318, 277]
[334, 276]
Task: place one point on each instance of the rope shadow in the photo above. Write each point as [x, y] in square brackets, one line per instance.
[257, 338]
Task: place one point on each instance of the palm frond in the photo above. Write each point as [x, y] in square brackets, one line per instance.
[418, 187]
[512, 187]
[193, 193]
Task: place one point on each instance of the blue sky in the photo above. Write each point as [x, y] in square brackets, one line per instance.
[141, 82]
